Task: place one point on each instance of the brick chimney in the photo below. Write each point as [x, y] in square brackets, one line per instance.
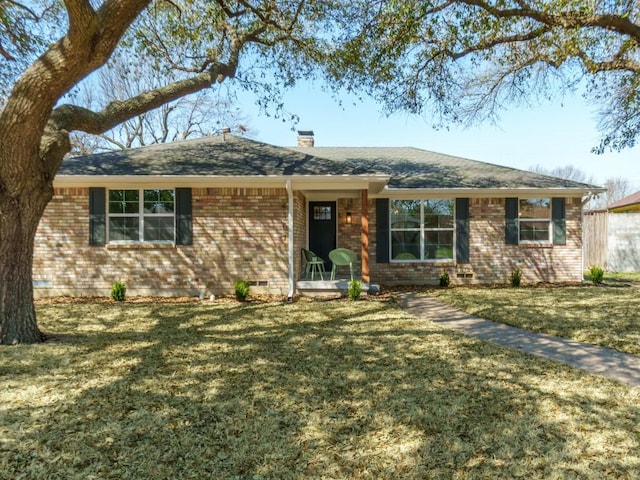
[305, 138]
[225, 131]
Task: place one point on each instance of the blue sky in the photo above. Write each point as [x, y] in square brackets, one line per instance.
[550, 135]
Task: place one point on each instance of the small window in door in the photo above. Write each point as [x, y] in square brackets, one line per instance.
[321, 213]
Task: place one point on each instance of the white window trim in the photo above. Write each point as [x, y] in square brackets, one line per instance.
[422, 231]
[141, 218]
[549, 221]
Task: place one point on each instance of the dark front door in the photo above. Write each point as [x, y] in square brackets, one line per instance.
[322, 229]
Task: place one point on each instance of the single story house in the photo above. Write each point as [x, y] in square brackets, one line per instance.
[192, 217]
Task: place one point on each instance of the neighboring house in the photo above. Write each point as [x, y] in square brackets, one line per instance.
[612, 236]
[194, 216]
[626, 204]
[623, 235]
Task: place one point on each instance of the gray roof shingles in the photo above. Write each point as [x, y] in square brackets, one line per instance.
[235, 156]
[629, 201]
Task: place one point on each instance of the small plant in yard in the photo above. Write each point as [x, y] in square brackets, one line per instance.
[242, 290]
[516, 277]
[355, 289]
[445, 280]
[118, 291]
[596, 274]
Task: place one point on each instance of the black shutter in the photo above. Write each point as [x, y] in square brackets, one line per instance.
[558, 216]
[184, 224]
[462, 230]
[97, 216]
[511, 221]
[382, 230]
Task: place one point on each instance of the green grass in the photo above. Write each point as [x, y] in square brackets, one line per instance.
[622, 277]
[304, 390]
[606, 316]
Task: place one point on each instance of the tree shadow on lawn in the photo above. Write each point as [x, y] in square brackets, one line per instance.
[332, 391]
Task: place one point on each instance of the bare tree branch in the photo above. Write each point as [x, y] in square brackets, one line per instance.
[567, 19]
[70, 117]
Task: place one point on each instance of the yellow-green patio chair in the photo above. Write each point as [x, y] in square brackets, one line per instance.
[342, 257]
[315, 264]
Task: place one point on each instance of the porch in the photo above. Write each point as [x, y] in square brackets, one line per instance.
[326, 287]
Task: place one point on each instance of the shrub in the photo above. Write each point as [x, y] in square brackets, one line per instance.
[242, 290]
[118, 291]
[516, 277]
[596, 274]
[445, 280]
[355, 289]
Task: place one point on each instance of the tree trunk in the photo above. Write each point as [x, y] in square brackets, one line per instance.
[19, 218]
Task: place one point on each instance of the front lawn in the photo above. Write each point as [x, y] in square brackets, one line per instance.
[622, 277]
[606, 315]
[306, 390]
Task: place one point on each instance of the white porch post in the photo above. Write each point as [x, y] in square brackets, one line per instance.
[291, 251]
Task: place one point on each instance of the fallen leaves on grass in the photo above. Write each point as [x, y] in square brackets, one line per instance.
[609, 317]
[314, 390]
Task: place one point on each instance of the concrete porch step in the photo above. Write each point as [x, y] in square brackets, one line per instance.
[308, 287]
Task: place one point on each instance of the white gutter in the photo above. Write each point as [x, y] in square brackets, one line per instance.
[586, 200]
[406, 193]
[291, 252]
[301, 182]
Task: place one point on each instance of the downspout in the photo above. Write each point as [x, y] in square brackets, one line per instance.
[291, 251]
[587, 199]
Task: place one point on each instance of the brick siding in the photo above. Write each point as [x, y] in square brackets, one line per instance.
[491, 260]
[238, 234]
[242, 233]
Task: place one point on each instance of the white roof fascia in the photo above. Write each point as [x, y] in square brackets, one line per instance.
[309, 183]
[405, 193]
[335, 182]
[299, 182]
[163, 181]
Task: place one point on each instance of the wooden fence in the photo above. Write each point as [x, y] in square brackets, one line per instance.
[595, 239]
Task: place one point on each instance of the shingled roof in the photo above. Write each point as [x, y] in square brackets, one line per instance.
[632, 202]
[232, 156]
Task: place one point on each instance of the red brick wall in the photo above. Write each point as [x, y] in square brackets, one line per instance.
[238, 234]
[242, 233]
[491, 261]
[299, 232]
[349, 234]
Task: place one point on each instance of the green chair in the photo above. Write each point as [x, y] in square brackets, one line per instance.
[314, 264]
[341, 257]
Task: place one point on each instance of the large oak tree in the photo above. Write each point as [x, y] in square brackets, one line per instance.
[464, 60]
[203, 40]
[458, 59]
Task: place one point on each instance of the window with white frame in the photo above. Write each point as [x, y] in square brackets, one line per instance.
[141, 215]
[421, 229]
[534, 219]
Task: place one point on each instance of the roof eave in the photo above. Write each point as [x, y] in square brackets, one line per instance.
[632, 207]
[487, 192]
[299, 182]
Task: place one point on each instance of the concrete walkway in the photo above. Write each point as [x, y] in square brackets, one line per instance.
[615, 365]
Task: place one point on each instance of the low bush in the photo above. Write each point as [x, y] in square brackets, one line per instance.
[445, 280]
[355, 289]
[242, 290]
[118, 291]
[516, 277]
[596, 274]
